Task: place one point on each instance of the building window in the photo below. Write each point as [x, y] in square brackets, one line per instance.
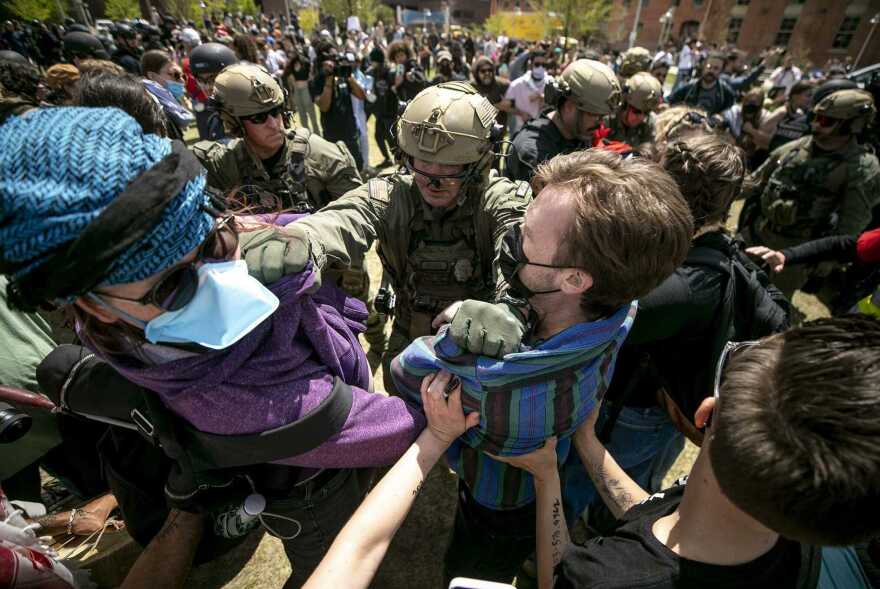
[786, 27]
[698, 2]
[733, 27]
[743, 2]
[846, 32]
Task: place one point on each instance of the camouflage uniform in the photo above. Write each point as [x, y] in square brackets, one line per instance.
[800, 194]
[432, 256]
[643, 92]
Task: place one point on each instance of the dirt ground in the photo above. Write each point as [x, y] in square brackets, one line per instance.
[416, 554]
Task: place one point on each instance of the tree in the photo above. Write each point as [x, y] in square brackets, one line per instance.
[30, 9]
[579, 17]
[122, 9]
[366, 10]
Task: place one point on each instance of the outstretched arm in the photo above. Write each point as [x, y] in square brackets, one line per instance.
[359, 548]
[618, 490]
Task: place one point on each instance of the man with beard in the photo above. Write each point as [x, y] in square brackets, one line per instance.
[490, 86]
[128, 50]
[822, 183]
[790, 123]
[525, 96]
[580, 99]
[709, 92]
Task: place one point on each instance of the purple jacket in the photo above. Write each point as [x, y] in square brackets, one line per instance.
[281, 371]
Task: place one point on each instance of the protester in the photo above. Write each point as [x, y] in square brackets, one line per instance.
[332, 89]
[525, 95]
[709, 92]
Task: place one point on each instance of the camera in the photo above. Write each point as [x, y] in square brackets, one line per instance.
[343, 69]
[385, 301]
[14, 423]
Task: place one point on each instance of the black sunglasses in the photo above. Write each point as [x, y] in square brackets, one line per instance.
[729, 349]
[260, 117]
[178, 286]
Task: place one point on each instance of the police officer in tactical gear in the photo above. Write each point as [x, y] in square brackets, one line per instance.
[205, 62]
[78, 46]
[128, 50]
[634, 123]
[439, 225]
[579, 100]
[271, 166]
[633, 61]
[822, 183]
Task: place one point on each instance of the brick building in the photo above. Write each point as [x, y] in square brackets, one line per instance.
[815, 30]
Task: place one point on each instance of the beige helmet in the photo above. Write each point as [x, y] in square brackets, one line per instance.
[848, 105]
[450, 123]
[635, 60]
[592, 86]
[643, 91]
[244, 89]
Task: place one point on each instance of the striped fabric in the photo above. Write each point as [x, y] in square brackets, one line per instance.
[523, 399]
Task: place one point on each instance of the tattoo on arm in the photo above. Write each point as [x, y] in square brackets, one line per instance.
[556, 538]
[612, 489]
[418, 488]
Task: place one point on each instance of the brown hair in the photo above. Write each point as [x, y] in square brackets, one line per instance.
[709, 171]
[631, 227]
[673, 123]
[795, 440]
[398, 47]
[245, 48]
[154, 60]
[91, 66]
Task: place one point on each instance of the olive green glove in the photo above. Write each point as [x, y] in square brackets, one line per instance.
[274, 252]
[488, 329]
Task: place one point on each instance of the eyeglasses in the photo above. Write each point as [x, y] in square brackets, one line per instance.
[178, 286]
[825, 121]
[260, 117]
[485, 71]
[729, 349]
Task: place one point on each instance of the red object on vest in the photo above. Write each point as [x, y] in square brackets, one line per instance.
[868, 246]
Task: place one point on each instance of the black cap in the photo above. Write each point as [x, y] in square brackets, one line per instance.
[832, 86]
[83, 44]
[210, 58]
[124, 31]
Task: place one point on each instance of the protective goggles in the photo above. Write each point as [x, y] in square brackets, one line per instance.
[179, 284]
[825, 121]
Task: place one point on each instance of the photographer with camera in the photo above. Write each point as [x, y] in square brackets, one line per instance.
[409, 77]
[332, 88]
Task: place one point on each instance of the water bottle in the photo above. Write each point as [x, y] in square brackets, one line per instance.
[241, 520]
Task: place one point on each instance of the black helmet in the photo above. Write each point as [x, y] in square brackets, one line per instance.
[124, 31]
[14, 56]
[78, 28]
[210, 58]
[79, 44]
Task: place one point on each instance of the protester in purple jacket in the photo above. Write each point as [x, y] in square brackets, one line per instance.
[115, 225]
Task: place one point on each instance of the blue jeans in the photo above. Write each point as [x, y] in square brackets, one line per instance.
[644, 442]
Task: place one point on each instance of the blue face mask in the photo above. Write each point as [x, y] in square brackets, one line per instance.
[177, 89]
[227, 306]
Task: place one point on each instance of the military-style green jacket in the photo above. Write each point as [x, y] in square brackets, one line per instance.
[632, 136]
[432, 256]
[309, 173]
[804, 193]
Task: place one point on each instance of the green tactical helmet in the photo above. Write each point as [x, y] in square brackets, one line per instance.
[847, 105]
[635, 60]
[643, 91]
[592, 86]
[450, 123]
[245, 89]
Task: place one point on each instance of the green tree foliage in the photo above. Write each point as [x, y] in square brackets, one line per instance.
[368, 11]
[122, 9]
[30, 9]
[579, 17]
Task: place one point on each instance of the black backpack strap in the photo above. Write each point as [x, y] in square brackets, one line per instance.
[714, 258]
[811, 564]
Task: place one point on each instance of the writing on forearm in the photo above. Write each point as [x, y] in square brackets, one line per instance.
[418, 488]
[557, 536]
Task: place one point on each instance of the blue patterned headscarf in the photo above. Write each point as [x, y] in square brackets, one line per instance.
[61, 167]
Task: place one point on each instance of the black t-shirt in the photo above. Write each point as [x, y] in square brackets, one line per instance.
[538, 141]
[338, 122]
[632, 557]
[383, 84]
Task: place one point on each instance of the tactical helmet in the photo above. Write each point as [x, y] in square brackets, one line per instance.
[78, 44]
[635, 60]
[643, 91]
[245, 89]
[15, 56]
[450, 123]
[856, 106]
[210, 58]
[124, 31]
[591, 85]
[832, 86]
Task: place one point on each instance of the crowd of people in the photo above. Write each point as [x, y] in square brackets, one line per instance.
[183, 282]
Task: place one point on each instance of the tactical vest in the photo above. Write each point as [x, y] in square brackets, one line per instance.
[285, 185]
[442, 265]
[791, 127]
[803, 193]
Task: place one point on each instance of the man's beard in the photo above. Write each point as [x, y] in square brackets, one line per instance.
[709, 78]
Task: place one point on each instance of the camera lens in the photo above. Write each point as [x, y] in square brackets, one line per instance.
[14, 423]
